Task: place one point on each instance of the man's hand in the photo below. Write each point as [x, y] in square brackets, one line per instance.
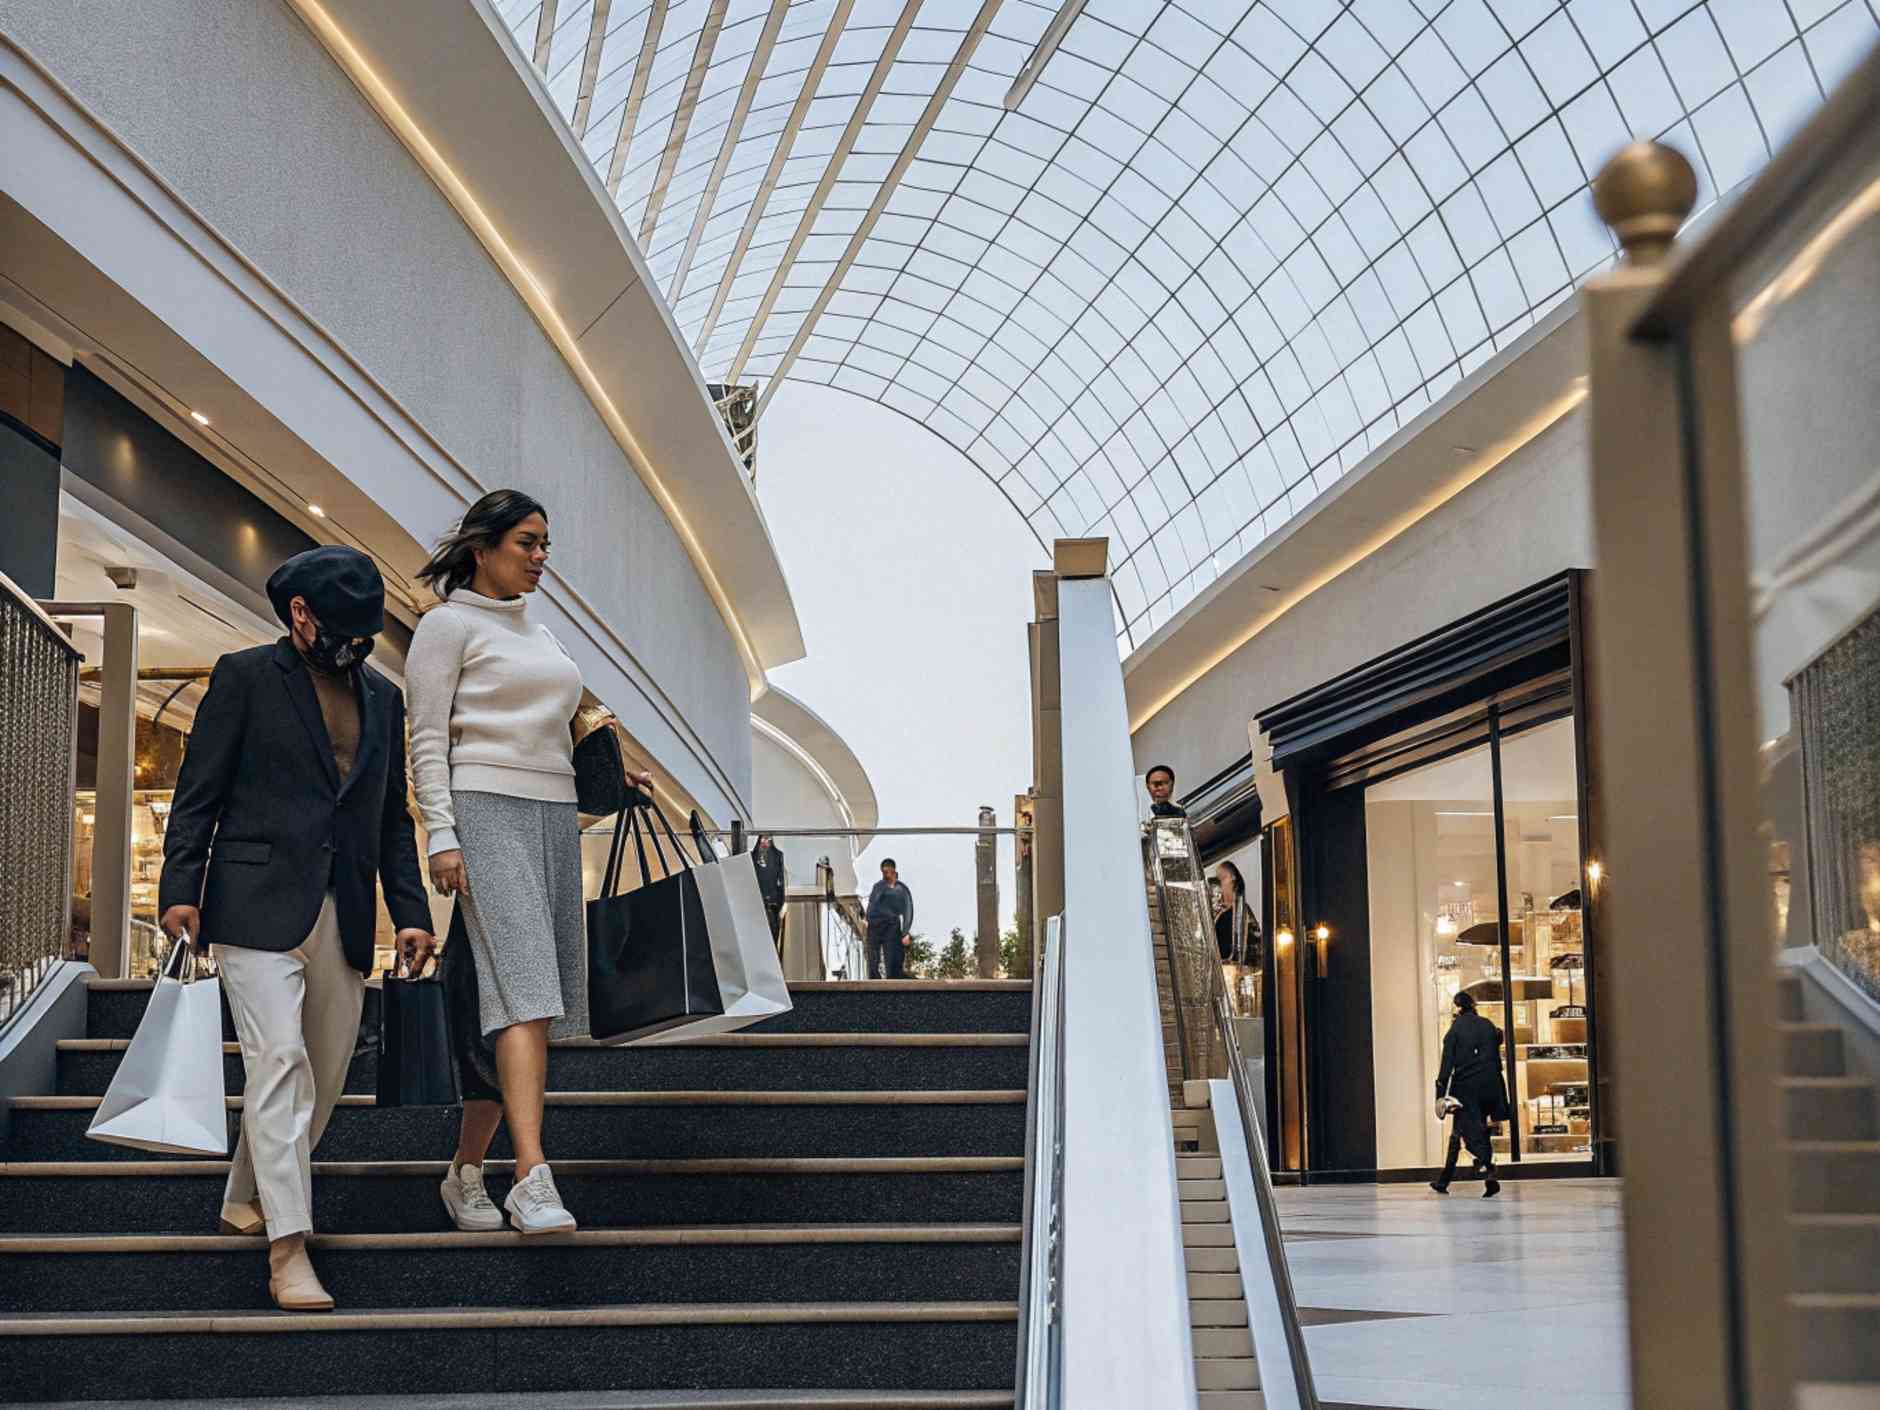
[907, 940]
[448, 875]
[180, 920]
[415, 949]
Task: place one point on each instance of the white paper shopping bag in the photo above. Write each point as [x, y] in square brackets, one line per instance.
[167, 1094]
[750, 980]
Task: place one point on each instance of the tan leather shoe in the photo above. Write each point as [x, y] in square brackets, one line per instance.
[293, 1284]
[242, 1219]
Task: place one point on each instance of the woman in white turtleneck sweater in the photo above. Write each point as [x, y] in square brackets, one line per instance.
[491, 697]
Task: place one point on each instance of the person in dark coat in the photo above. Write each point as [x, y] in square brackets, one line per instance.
[1236, 928]
[290, 811]
[1160, 781]
[890, 923]
[1469, 1085]
[768, 861]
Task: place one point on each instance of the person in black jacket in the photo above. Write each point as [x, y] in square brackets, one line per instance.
[890, 917]
[1469, 1085]
[290, 802]
[768, 861]
[1160, 781]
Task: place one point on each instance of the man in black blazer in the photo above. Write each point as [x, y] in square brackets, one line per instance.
[292, 798]
[1469, 1087]
[767, 860]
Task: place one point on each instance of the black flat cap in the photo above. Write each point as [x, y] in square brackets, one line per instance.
[341, 585]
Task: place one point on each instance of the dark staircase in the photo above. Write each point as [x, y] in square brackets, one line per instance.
[826, 1208]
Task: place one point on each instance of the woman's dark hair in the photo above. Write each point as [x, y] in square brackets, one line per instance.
[1464, 1000]
[1240, 882]
[454, 562]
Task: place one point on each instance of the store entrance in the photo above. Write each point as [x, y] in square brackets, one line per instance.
[1474, 873]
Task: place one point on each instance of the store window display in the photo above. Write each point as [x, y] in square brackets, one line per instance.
[1442, 882]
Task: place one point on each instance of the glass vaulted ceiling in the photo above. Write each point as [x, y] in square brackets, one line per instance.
[1219, 251]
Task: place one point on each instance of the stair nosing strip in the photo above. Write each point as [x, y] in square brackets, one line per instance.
[725, 1165]
[795, 986]
[987, 1096]
[444, 1319]
[724, 1040]
[774, 1235]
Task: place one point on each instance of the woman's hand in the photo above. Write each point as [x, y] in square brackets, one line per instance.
[643, 780]
[448, 876]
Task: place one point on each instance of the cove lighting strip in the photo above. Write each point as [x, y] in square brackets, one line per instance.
[525, 283]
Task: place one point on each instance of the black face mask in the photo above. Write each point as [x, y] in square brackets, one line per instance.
[336, 654]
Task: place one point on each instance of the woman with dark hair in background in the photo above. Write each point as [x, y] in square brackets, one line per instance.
[1469, 1087]
[493, 697]
[1237, 934]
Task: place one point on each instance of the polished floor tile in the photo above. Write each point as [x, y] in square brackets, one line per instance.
[1521, 1298]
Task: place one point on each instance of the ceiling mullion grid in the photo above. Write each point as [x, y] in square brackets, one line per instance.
[786, 139]
[943, 91]
[687, 104]
[636, 95]
[734, 130]
[590, 67]
[544, 35]
[832, 172]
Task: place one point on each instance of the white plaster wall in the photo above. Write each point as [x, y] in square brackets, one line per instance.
[786, 794]
[1525, 520]
[238, 108]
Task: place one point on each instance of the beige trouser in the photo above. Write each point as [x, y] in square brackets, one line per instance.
[297, 1014]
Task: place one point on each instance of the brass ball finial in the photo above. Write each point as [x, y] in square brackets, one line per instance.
[1644, 193]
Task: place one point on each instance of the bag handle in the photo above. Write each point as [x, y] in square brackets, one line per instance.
[659, 813]
[180, 946]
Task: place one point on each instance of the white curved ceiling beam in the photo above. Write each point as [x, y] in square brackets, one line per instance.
[682, 117]
[636, 95]
[792, 125]
[544, 34]
[844, 146]
[1041, 56]
[909, 150]
[734, 130]
[590, 67]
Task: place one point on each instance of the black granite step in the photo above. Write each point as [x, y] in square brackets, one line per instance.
[185, 1197]
[83, 1277]
[895, 1124]
[741, 1065]
[884, 1007]
[403, 1351]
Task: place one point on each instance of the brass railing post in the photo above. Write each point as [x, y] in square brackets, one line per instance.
[1690, 996]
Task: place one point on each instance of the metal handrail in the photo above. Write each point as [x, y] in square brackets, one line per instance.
[1288, 1359]
[1040, 1332]
[1182, 1049]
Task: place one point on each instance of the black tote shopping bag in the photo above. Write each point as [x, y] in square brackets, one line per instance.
[649, 957]
[417, 1063]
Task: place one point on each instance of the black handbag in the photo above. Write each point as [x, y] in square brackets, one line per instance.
[600, 773]
[649, 957]
[417, 1064]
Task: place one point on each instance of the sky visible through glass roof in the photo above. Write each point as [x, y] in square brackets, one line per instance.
[1219, 252]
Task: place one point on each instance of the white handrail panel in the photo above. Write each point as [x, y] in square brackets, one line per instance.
[1127, 1342]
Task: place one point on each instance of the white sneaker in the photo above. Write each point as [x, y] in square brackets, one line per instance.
[535, 1206]
[470, 1205]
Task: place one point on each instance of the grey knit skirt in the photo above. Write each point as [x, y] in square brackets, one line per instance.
[523, 914]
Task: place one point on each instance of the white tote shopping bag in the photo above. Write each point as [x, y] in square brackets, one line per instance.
[167, 1094]
[750, 980]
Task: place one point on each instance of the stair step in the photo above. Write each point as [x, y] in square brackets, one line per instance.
[1833, 1177]
[869, 1006]
[1836, 1336]
[1828, 1108]
[1202, 1189]
[493, 1351]
[1789, 998]
[1236, 1373]
[1812, 1050]
[1207, 1235]
[1835, 1253]
[613, 1125]
[185, 1196]
[874, 1263]
[1213, 1285]
[1836, 1395]
[1217, 1312]
[741, 1061]
[740, 1399]
[1205, 1211]
[1223, 1342]
[1213, 1260]
[1231, 1400]
[1198, 1167]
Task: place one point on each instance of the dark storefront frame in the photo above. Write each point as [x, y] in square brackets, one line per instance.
[1513, 666]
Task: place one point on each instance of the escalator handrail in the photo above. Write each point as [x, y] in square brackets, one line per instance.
[1040, 1341]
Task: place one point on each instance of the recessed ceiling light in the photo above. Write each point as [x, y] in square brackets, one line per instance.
[199, 418]
[1462, 883]
[316, 511]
